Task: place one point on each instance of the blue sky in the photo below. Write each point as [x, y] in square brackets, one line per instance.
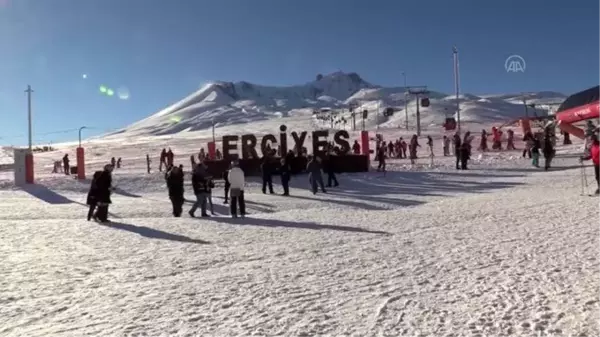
[160, 51]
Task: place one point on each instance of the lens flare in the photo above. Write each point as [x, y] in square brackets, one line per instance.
[84, 76]
[175, 119]
[103, 89]
[123, 93]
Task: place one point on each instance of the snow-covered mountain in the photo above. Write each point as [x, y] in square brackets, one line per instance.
[228, 104]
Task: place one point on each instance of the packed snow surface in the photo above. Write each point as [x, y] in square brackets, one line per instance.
[501, 249]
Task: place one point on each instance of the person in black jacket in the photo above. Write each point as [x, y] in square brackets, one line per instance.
[175, 186]
[92, 195]
[328, 166]
[103, 191]
[266, 168]
[285, 172]
[548, 150]
[201, 189]
[457, 149]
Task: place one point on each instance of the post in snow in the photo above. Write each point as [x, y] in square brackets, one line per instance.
[456, 86]
[30, 137]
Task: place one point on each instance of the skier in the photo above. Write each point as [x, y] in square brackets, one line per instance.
[103, 191]
[237, 180]
[266, 168]
[66, 167]
[330, 170]
[285, 172]
[314, 174]
[175, 186]
[200, 186]
[594, 155]
[92, 195]
[119, 162]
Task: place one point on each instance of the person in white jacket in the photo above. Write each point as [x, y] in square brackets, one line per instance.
[237, 181]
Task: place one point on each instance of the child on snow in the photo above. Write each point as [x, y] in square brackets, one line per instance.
[594, 155]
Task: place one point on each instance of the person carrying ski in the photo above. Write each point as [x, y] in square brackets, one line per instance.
[594, 155]
[175, 187]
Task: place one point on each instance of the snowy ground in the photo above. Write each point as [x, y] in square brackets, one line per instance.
[502, 249]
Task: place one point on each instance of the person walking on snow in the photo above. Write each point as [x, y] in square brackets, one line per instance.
[175, 187]
[535, 152]
[380, 157]
[103, 191]
[314, 174]
[237, 181]
[66, 167]
[430, 144]
[266, 168]
[93, 195]
[285, 172]
[510, 142]
[594, 155]
[446, 143]
[457, 147]
[548, 150]
[170, 158]
[201, 189]
[330, 170]
[163, 159]
[227, 184]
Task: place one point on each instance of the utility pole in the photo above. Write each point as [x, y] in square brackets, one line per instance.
[417, 92]
[405, 102]
[456, 87]
[213, 130]
[80, 129]
[377, 116]
[29, 92]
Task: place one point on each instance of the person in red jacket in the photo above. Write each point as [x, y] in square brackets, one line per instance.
[595, 157]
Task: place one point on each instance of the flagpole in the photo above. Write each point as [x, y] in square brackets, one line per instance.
[456, 86]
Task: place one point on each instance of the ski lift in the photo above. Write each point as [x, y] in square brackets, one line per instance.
[424, 102]
[450, 124]
[388, 112]
[365, 113]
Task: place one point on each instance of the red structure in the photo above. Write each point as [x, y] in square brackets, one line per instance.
[80, 163]
[29, 176]
[364, 139]
[578, 107]
[211, 150]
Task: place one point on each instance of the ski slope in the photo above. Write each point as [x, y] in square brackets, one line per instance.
[502, 249]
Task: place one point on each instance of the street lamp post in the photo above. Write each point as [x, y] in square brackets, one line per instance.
[456, 86]
[29, 92]
[405, 102]
[80, 129]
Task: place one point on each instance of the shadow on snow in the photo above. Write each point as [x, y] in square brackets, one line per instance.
[153, 233]
[289, 224]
